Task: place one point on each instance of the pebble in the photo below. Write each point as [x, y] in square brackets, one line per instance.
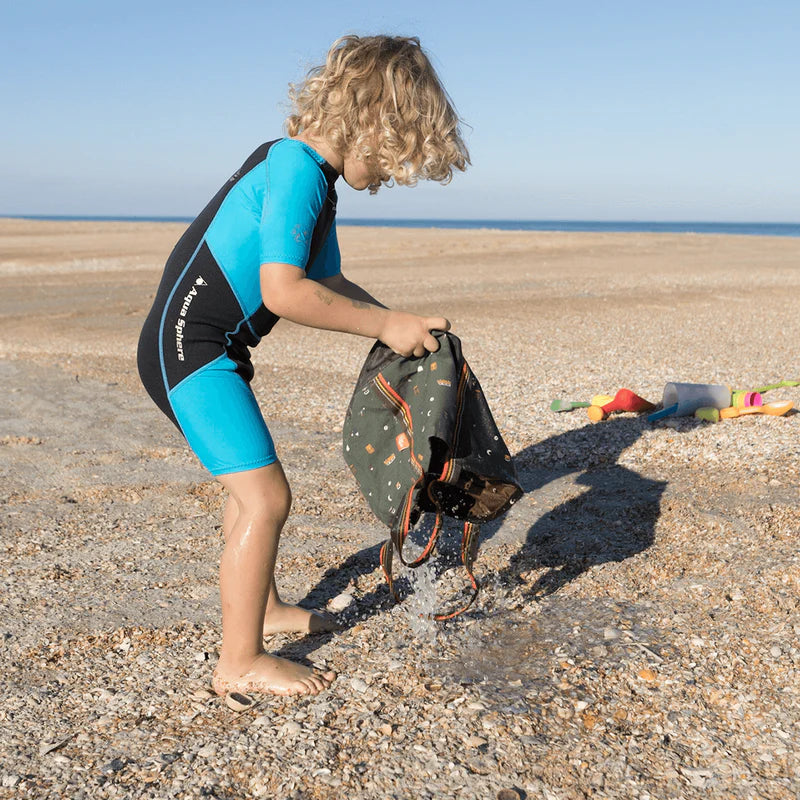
[291, 728]
[358, 685]
[115, 765]
[340, 602]
[475, 741]
[105, 721]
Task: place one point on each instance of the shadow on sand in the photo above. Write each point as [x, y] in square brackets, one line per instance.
[612, 519]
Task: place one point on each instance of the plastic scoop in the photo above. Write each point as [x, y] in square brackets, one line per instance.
[663, 412]
[775, 409]
[624, 400]
[567, 405]
[571, 405]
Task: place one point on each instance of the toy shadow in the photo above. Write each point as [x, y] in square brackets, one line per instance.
[613, 519]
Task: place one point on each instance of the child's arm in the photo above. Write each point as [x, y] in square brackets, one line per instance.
[339, 284]
[289, 294]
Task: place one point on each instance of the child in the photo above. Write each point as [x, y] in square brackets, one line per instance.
[265, 247]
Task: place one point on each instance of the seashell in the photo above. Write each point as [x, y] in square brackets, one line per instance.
[238, 702]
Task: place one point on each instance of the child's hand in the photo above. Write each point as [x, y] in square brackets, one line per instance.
[409, 334]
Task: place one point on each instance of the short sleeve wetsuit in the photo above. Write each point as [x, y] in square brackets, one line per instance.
[193, 356]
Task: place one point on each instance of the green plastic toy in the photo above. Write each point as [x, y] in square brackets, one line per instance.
[778, 385]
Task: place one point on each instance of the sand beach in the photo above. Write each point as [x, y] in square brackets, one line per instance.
[637, 636]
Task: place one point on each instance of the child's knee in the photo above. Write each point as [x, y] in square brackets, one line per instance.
[272, 504]
[260, 494]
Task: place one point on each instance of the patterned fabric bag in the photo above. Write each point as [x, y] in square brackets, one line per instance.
[419, 437]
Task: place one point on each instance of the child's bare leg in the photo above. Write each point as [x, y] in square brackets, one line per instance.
[280, 617]
[262, 499]
[283, 617]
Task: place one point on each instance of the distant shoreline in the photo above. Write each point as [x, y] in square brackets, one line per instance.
[790, 229]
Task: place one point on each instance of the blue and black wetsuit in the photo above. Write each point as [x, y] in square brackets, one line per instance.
[194, 357]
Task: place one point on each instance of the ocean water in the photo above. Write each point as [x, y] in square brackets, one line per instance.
[620, 226]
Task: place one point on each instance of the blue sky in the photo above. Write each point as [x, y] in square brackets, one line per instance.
[575, 110]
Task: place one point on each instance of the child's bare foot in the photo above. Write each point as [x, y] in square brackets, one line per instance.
[285, 618]
[272, 675]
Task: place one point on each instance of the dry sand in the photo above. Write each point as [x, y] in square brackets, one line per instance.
[637, 637]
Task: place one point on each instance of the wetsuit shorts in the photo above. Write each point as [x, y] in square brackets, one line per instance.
[194, 349]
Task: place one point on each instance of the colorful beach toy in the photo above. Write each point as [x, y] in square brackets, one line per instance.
[683, 399]
[778, 385]
[707, 414]
[624, 400]
[775, 409]
[571, 405]
[668, 411]
[742, 399]
[567, 405]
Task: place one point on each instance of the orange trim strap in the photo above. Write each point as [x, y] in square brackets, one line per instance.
[469, 541]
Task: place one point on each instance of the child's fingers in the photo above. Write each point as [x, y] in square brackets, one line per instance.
[430, 343]
[437, 324]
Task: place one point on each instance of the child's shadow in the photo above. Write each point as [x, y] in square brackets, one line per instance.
[612, 520]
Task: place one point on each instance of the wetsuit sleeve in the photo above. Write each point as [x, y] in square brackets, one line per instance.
[295, 191]
[328, 261]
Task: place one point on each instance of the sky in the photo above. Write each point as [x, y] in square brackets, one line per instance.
[602, 110]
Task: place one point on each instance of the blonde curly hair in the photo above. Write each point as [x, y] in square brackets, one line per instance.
[380, 97]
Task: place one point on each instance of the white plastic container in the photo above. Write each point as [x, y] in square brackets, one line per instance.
[691, 396]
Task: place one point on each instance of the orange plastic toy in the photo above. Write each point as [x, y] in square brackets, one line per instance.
[775, 409]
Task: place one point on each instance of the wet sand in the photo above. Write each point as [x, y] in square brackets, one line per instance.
[638, 630]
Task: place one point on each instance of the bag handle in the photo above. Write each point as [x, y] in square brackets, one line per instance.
[469, 550]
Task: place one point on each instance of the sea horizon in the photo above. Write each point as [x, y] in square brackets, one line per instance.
[790, 229]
